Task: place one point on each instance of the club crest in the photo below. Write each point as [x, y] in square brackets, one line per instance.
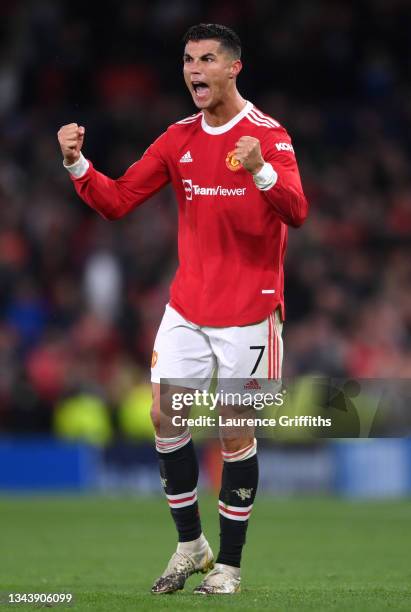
[232, 162]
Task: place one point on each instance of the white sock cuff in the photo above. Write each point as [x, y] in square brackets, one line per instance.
[168, 445]
[242, 454]
[233, 571]
[193, 546]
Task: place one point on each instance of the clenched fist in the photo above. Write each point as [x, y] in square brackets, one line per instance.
[248, 153]
[71, 138]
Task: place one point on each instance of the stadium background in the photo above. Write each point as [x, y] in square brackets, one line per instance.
[81, 298]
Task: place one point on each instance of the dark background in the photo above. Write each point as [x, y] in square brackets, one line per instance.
[81, 298]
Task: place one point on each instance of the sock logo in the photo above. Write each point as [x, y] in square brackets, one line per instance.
[243, 494]
[163, 482]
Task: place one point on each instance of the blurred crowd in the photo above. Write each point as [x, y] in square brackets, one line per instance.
[81, 298]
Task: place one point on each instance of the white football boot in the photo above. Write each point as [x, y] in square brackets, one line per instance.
[222, 580]
[189, 558]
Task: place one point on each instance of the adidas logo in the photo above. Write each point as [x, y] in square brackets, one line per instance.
[186, 158]
[252, 384]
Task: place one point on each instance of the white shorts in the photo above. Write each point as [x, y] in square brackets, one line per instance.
[247, 357]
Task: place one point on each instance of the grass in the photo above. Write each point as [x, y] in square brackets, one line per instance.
[301, 554]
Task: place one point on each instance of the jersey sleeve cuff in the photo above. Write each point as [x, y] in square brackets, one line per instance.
[79, 168]
[265, 178]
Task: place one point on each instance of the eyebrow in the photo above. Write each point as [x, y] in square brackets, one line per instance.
[187, 55]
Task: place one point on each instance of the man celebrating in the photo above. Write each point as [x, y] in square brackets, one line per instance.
[237, 184]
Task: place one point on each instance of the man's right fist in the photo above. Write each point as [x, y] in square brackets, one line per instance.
[71, 138]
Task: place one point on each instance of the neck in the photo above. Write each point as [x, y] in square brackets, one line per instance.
[225, 110]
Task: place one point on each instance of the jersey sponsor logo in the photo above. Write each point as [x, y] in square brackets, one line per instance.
[232, 162]
[186, 158]
[284, 146]
[198, 190]
[188, 188]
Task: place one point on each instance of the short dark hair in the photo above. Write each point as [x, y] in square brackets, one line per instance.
[226, 36]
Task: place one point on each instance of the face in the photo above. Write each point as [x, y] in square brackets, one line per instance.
[209, 72]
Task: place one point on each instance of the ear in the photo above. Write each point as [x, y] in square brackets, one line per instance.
[235, 68]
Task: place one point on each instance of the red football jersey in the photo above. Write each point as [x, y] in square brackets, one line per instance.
[231, 235]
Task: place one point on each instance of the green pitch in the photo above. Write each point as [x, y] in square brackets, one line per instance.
[302, 554]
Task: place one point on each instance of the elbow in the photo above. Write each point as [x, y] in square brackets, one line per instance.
[103, 208]
[111, 215]
[111, 212]
[300, 214]
[291, 206]
[298, 220]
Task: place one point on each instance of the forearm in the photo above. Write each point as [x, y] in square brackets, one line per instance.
[115, 198]
[283, 191]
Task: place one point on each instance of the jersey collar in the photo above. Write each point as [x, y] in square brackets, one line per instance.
[221, 129]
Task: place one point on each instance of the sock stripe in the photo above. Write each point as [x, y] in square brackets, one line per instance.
[167, 445]
[181, 495]
[235, 513]
[244, 453]
[232, 454]
[182, 500]
[235, 508]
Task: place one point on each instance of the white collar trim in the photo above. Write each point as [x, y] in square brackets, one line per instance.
[221, 129]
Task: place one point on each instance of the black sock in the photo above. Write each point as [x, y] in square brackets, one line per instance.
[238, 489]
[179, 476]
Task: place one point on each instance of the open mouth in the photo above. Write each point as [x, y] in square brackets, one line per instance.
[200, 88]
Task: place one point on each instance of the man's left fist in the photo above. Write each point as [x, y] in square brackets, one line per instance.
[248, 153]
